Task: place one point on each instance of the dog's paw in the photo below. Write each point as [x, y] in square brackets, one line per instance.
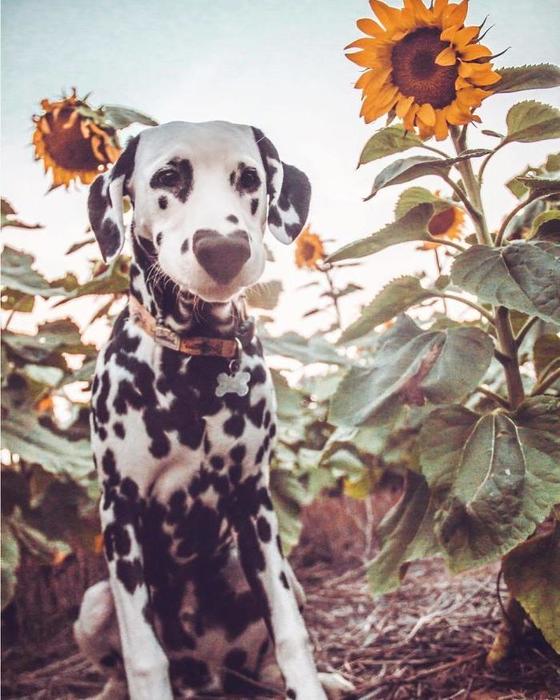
[335, 685]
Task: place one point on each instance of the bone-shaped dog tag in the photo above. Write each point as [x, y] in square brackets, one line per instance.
[237, 383]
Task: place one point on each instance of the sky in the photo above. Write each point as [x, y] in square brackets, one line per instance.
[275, 64]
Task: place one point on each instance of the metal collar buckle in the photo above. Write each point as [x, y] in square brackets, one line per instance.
[166, 337]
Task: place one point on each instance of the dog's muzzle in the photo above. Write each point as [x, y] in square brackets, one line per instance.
[221, 256]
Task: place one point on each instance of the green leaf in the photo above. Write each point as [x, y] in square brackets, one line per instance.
[412, 367]
[519, 276]
[393, 299]
[305, 350]
[12, 299]
[541, 185]
[406, 169]
[532, 574]
[9, 563]
[264, 295]
[545, 350]
[18, 275]
[9, 217]
[114, 279]
[386, 142]
[494, 477]
[25, 435]
[49, 342]
[288, 497]
[411, 197]
[406, 534]
[289, 400]
[411, 227]
[121, 117]
[519, 78]
[547, 226]
[532, 121]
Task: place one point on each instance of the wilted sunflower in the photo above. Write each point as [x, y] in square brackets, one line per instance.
[73, 140]
[445, 224]
[423, 65]
[309, 249]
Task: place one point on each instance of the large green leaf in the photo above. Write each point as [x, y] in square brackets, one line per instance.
[121, 117]
[395, 298]
[305, 350]
[412, 197]
[412, 367]
[18, 274]
[288, 497]
[540, 185]
[532, 121]
[112, 279]
[545, 350]
[264, 295]
[545, 75]
[9, 217]
[406, 169]
[24, 435]
[495, 477]
[289, 400]
[410, 227]
[406, 535]
[48, 343]
[546, 226]
[519, 276]
[9, 563]
[386, 142]
[532, 574]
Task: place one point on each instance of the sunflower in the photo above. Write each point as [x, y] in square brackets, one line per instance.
[73, 140]
[309, 249]
[445, 224]
[422, 65]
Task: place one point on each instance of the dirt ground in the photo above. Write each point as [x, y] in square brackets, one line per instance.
[428, 640]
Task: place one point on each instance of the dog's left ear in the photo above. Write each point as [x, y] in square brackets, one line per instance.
[105, 203]
[289, 192]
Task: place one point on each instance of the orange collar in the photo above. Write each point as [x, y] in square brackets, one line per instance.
[215, 347]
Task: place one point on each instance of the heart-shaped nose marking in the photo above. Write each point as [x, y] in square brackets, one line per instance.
[221, 256]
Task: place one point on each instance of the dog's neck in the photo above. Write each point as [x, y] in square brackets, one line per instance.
[179, 310]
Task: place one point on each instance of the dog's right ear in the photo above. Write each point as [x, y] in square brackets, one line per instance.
[105, 203]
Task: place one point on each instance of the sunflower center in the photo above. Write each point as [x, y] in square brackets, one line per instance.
[416, 73]
[441, 223]
[308, 251]
[66, 144]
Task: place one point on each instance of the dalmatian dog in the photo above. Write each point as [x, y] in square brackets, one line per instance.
[200, 601]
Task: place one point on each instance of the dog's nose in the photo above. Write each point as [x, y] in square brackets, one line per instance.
[221, 256]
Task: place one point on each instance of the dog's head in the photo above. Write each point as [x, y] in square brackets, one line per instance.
[202, 195]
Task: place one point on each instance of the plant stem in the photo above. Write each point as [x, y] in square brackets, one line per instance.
[474, 213]
[442, 241]
[487, 160]
[547, 382]
[456, 297]
[492, 395]
[472, 188]
[509, 217]
[509, 358]
[334, 297]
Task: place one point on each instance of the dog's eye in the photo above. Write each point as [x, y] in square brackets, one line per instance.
[167, 178]
[249, 179]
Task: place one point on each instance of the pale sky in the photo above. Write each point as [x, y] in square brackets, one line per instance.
[276, 64]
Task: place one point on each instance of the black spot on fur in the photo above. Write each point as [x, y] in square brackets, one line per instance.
[118, 429]
[238, 453]
[232, 218]
[284, 580]
[217, 462]
[263, 528]
[234, 425]
[159, 238]
[130, 574]
[185, 246]
[254, 206]
[162, 201]
[290, 693]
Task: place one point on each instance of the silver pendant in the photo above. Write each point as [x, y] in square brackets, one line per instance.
[237, 383]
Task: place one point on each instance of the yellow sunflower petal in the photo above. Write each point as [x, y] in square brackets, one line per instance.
[427, 114]
[388, 16]
[440, 128]
[455, 14]
[474, 51]
[449, 33]
[408, 121]
[487, 78]
[447, 57]
[419, 11]
[464, 36]
[403, 105]
[368, 26]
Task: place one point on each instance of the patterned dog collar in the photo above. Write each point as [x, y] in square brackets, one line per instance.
[217, 347]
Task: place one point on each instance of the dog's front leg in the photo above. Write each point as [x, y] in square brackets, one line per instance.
[268, 575]
[145, 663]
